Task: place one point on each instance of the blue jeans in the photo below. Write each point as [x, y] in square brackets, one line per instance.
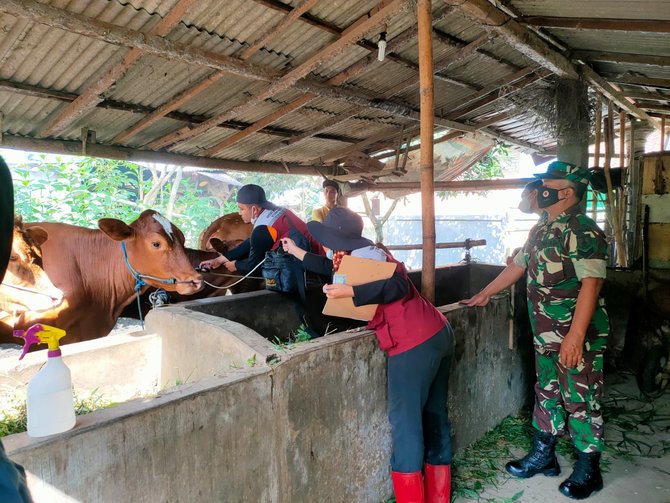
[418, 385]
[13, 488]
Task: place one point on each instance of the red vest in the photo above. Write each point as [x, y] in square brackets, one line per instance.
[405, 323]
[286, 222]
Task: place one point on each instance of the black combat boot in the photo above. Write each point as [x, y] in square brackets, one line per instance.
[540, 459]
[585, 479]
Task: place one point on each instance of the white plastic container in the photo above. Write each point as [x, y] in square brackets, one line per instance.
[50, 404]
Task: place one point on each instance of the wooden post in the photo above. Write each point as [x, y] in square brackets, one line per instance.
[613, 213]
[596, 151]
[427, 126]
[623, 255]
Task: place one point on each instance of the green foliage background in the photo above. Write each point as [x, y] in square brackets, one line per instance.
[81, 190]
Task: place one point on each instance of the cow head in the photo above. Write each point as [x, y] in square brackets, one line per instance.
[26, 287]
[230, 230]
[155, 248]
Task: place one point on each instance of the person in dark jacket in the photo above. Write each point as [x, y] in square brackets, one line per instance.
[13, 486]
[420, 345]
[271, 223]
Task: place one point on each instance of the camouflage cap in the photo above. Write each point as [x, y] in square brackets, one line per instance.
[559, 170]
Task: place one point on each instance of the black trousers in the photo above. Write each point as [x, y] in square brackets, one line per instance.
[418, 386]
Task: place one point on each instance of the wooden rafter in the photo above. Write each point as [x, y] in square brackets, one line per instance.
[65, 147]
[44, 93]
[616, 96]
[498, 90]
[469, 185]
[117, 35]
[641, 95]
[643, 25]
[462, 53]
[370, 22]
[93, 94]
[352, 71]
[636, 80]
[207, 82]
[531, 45]
[514, 34]
[161, 47]
[459, 55]
[620, 57]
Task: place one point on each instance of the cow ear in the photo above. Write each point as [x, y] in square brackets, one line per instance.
[115, 229]
[37, 234]
[218, 245]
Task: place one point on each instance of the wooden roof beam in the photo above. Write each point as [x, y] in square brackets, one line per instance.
[455, 185]
[65, 147]
[389, 9]
[605, 88]
[531, 45]
[350, 72]
[641, 95]
[161, 47]
[443, 64]
[498, 90]
[575, 23]
[44, 93]
[94, 93]
[516, 35]
[637, 80]
[619, 57]
[207, 82]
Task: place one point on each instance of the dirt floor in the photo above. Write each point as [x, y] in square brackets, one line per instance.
[636, 461]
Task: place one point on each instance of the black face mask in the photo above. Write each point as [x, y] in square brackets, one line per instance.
[547, 196]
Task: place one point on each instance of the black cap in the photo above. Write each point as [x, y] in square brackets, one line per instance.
[254, 194]
[341, 230]
[331, 183]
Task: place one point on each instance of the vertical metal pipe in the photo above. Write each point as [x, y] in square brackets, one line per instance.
[427, 126]
[662, 134]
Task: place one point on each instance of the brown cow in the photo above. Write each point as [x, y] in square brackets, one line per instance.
[25, 287]
[230, 229]
[88, 265]
[228, 232]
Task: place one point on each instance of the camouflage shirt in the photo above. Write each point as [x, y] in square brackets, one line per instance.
[557, 255]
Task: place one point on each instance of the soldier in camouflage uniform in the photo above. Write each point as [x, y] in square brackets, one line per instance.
[565, 257]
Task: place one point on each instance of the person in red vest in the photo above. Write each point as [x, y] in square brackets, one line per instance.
[271, 223]
[420, 346]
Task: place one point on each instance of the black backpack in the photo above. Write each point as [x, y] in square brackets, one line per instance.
[282, 271]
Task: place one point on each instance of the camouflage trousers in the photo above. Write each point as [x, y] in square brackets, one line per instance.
[572, 397]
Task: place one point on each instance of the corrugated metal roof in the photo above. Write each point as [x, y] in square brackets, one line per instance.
[46, 61]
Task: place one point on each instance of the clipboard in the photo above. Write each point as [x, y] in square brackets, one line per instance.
[357, 271]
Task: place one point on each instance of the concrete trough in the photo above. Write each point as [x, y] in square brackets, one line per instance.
[259, 422]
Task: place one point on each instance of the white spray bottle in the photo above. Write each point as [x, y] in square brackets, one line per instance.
[50, 404]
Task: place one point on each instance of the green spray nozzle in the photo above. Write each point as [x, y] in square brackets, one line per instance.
[41, 334]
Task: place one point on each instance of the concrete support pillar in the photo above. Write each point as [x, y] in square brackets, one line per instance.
[572, 107]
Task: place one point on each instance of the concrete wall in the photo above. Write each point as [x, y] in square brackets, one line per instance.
[310, 426]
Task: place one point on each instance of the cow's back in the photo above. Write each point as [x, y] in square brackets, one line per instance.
[79, 262]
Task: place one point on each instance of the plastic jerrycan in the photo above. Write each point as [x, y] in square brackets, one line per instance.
[49, 402]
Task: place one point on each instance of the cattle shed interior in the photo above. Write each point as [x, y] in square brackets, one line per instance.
[339, 89]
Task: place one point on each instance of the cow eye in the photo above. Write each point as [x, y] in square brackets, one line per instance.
[13, 258]
[156, 245]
